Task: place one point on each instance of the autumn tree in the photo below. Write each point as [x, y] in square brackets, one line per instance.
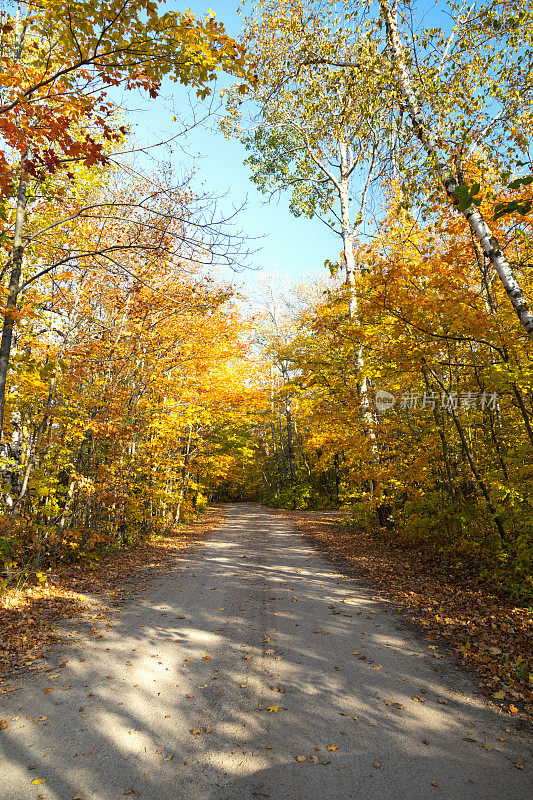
[61, 60]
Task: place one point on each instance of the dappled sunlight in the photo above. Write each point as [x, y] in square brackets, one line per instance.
[231, 668]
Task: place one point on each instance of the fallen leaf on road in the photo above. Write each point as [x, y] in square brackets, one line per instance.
[168, 757]
[208, 729]
[273, 708]
[38, 781]
[206, 658]
[377, 764]
[190, 695]
[419, 699]
[513, 709]
[196, 731]
[434, 783]
[314, 759]
[518, 764]
[78, 796]
[442, 701]
[301, 758]
[332, 747]
[4, 724]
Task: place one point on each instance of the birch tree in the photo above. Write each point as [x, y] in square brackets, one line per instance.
[316, 131]
[311, 132]
[459, 98]
[455, 189]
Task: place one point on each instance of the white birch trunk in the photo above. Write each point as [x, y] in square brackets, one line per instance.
[472, 214]
[348, 245]
[347, 230]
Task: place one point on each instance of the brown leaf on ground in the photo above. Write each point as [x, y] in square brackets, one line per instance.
[490, 635]
[28, 615]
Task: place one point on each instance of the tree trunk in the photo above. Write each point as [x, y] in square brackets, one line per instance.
[336, 465]
[523, 410]
[347, 231]
[281, 449]
[290, 442]
[276, 455]
[488, 242]
[470, 458]
[14, 283]
[184, 476]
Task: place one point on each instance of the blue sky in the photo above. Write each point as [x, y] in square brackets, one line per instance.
[295, 247]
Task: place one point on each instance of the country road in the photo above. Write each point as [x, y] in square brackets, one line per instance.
[255, 670]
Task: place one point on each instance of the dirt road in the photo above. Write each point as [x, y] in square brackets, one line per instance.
[255, 670]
